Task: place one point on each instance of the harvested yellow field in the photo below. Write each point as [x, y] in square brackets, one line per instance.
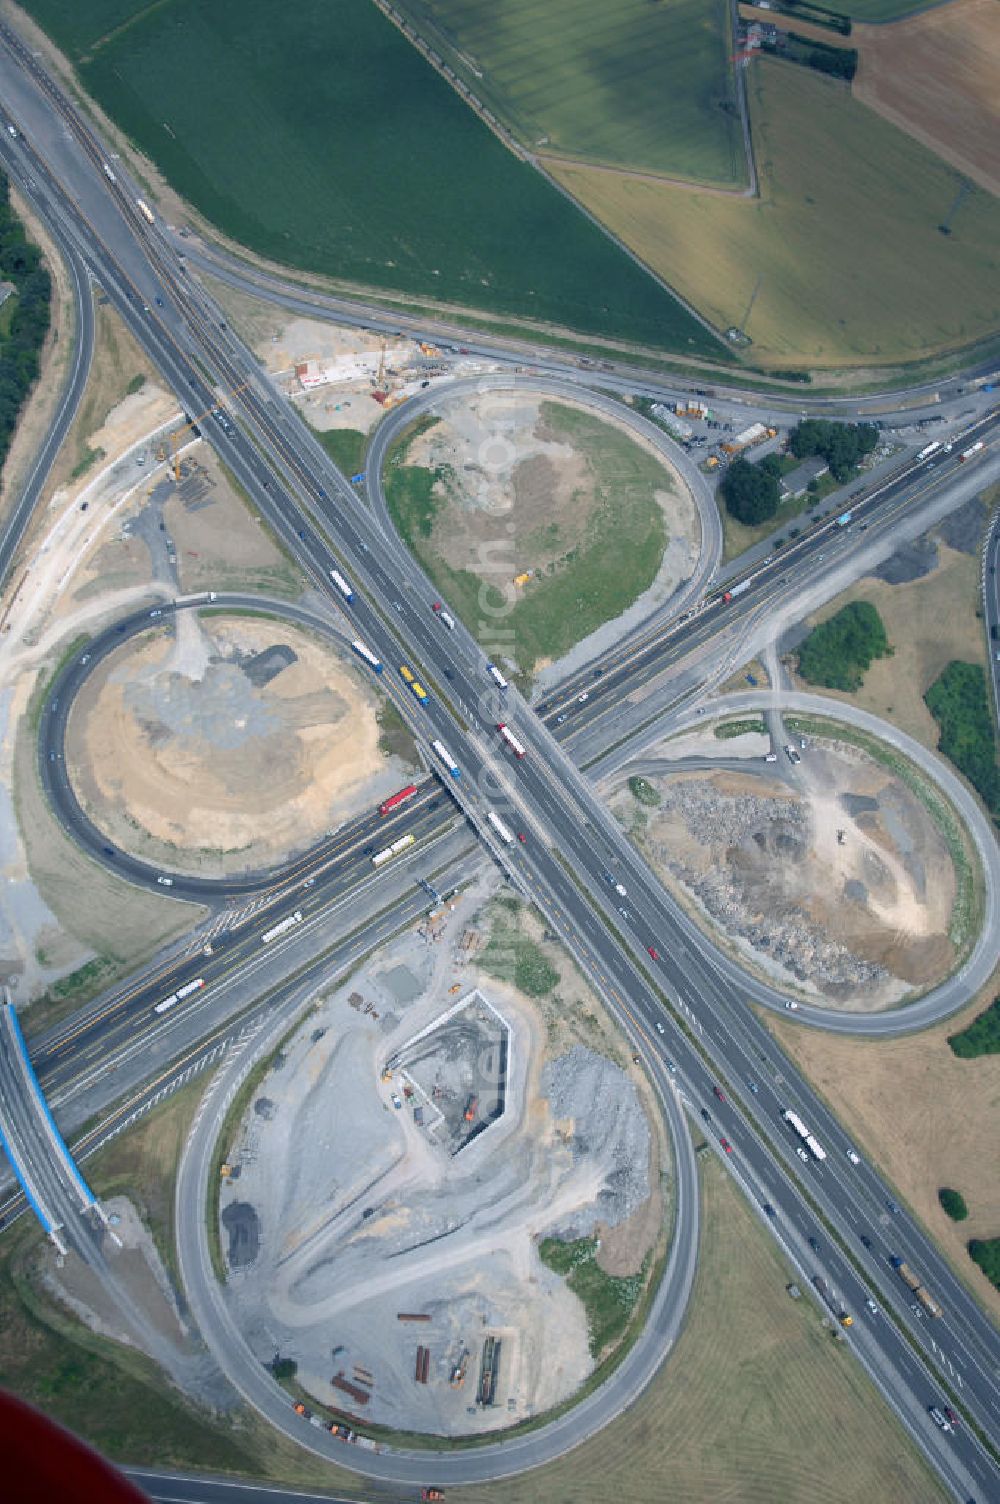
[926, 1117]
[929, 622]
[938, 77]
[714, 1427]
[843, 246]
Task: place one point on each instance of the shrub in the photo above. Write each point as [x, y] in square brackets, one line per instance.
[986, 1253]
[982, 1037]
[953, 1203]
[959, 702]
[838, 653]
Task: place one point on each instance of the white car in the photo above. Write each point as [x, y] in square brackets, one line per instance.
[791, 1005]
[802, 1154]
[853, 1157]
[585, 696]
[165, 882]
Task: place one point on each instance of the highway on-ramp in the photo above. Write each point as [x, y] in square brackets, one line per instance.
[572, 842]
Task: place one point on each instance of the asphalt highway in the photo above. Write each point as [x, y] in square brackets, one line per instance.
[991, 608]
[73, 388]
[930, 397]
[571, 842]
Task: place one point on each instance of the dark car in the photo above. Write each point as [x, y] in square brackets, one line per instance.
[108, 850]
[706, 1114]
[769, 1209]
[814, 1245]
[866, 1242]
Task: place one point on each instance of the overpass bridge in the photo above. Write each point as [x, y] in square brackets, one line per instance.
[56, 1191]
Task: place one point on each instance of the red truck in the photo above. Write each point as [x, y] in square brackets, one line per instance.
[395, 800]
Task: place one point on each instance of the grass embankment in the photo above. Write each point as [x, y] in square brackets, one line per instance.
[636, 85]
[729, 729]
[512, 956]
[345, 446]
[842, 253]
[606, 563]
[609, 1300]
[838, 653]
[960, 703]
[274, 139]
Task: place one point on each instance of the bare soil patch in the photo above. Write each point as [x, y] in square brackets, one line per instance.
[65, 908]
[179, 748]
[927, 1118]
[220, 543]
[837, 882]
[937, 76]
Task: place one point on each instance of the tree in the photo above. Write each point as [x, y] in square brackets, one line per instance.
[284, 1368]
[953, 1202]
[751, 493]
[838, 653]
[842, 445]
[986, 1253]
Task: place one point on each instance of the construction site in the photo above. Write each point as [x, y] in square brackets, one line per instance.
[755, 851]
[386, 1192]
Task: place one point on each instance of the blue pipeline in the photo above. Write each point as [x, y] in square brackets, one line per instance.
[81, 1184]
[25, 1187]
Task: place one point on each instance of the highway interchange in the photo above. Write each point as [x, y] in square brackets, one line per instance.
[572, 843]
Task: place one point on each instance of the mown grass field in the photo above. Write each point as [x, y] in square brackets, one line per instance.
[328, 143]
[845, 242]
[637, 84]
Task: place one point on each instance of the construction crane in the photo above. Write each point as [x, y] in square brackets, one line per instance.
[175, 435]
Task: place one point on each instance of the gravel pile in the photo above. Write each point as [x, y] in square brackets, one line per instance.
[725, 821]
[609, 1127]
[737, 893]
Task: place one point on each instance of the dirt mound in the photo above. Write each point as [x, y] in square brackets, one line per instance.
[226, 747]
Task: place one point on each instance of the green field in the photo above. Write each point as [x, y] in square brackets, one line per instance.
[607, 563]
[329, 144]
[841, 256]
[644, 84]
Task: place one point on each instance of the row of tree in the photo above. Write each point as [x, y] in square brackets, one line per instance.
[960, 703]
[20, 348]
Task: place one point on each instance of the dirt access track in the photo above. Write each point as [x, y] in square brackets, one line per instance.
[937, 76]
[227, 746]
[830, 878]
